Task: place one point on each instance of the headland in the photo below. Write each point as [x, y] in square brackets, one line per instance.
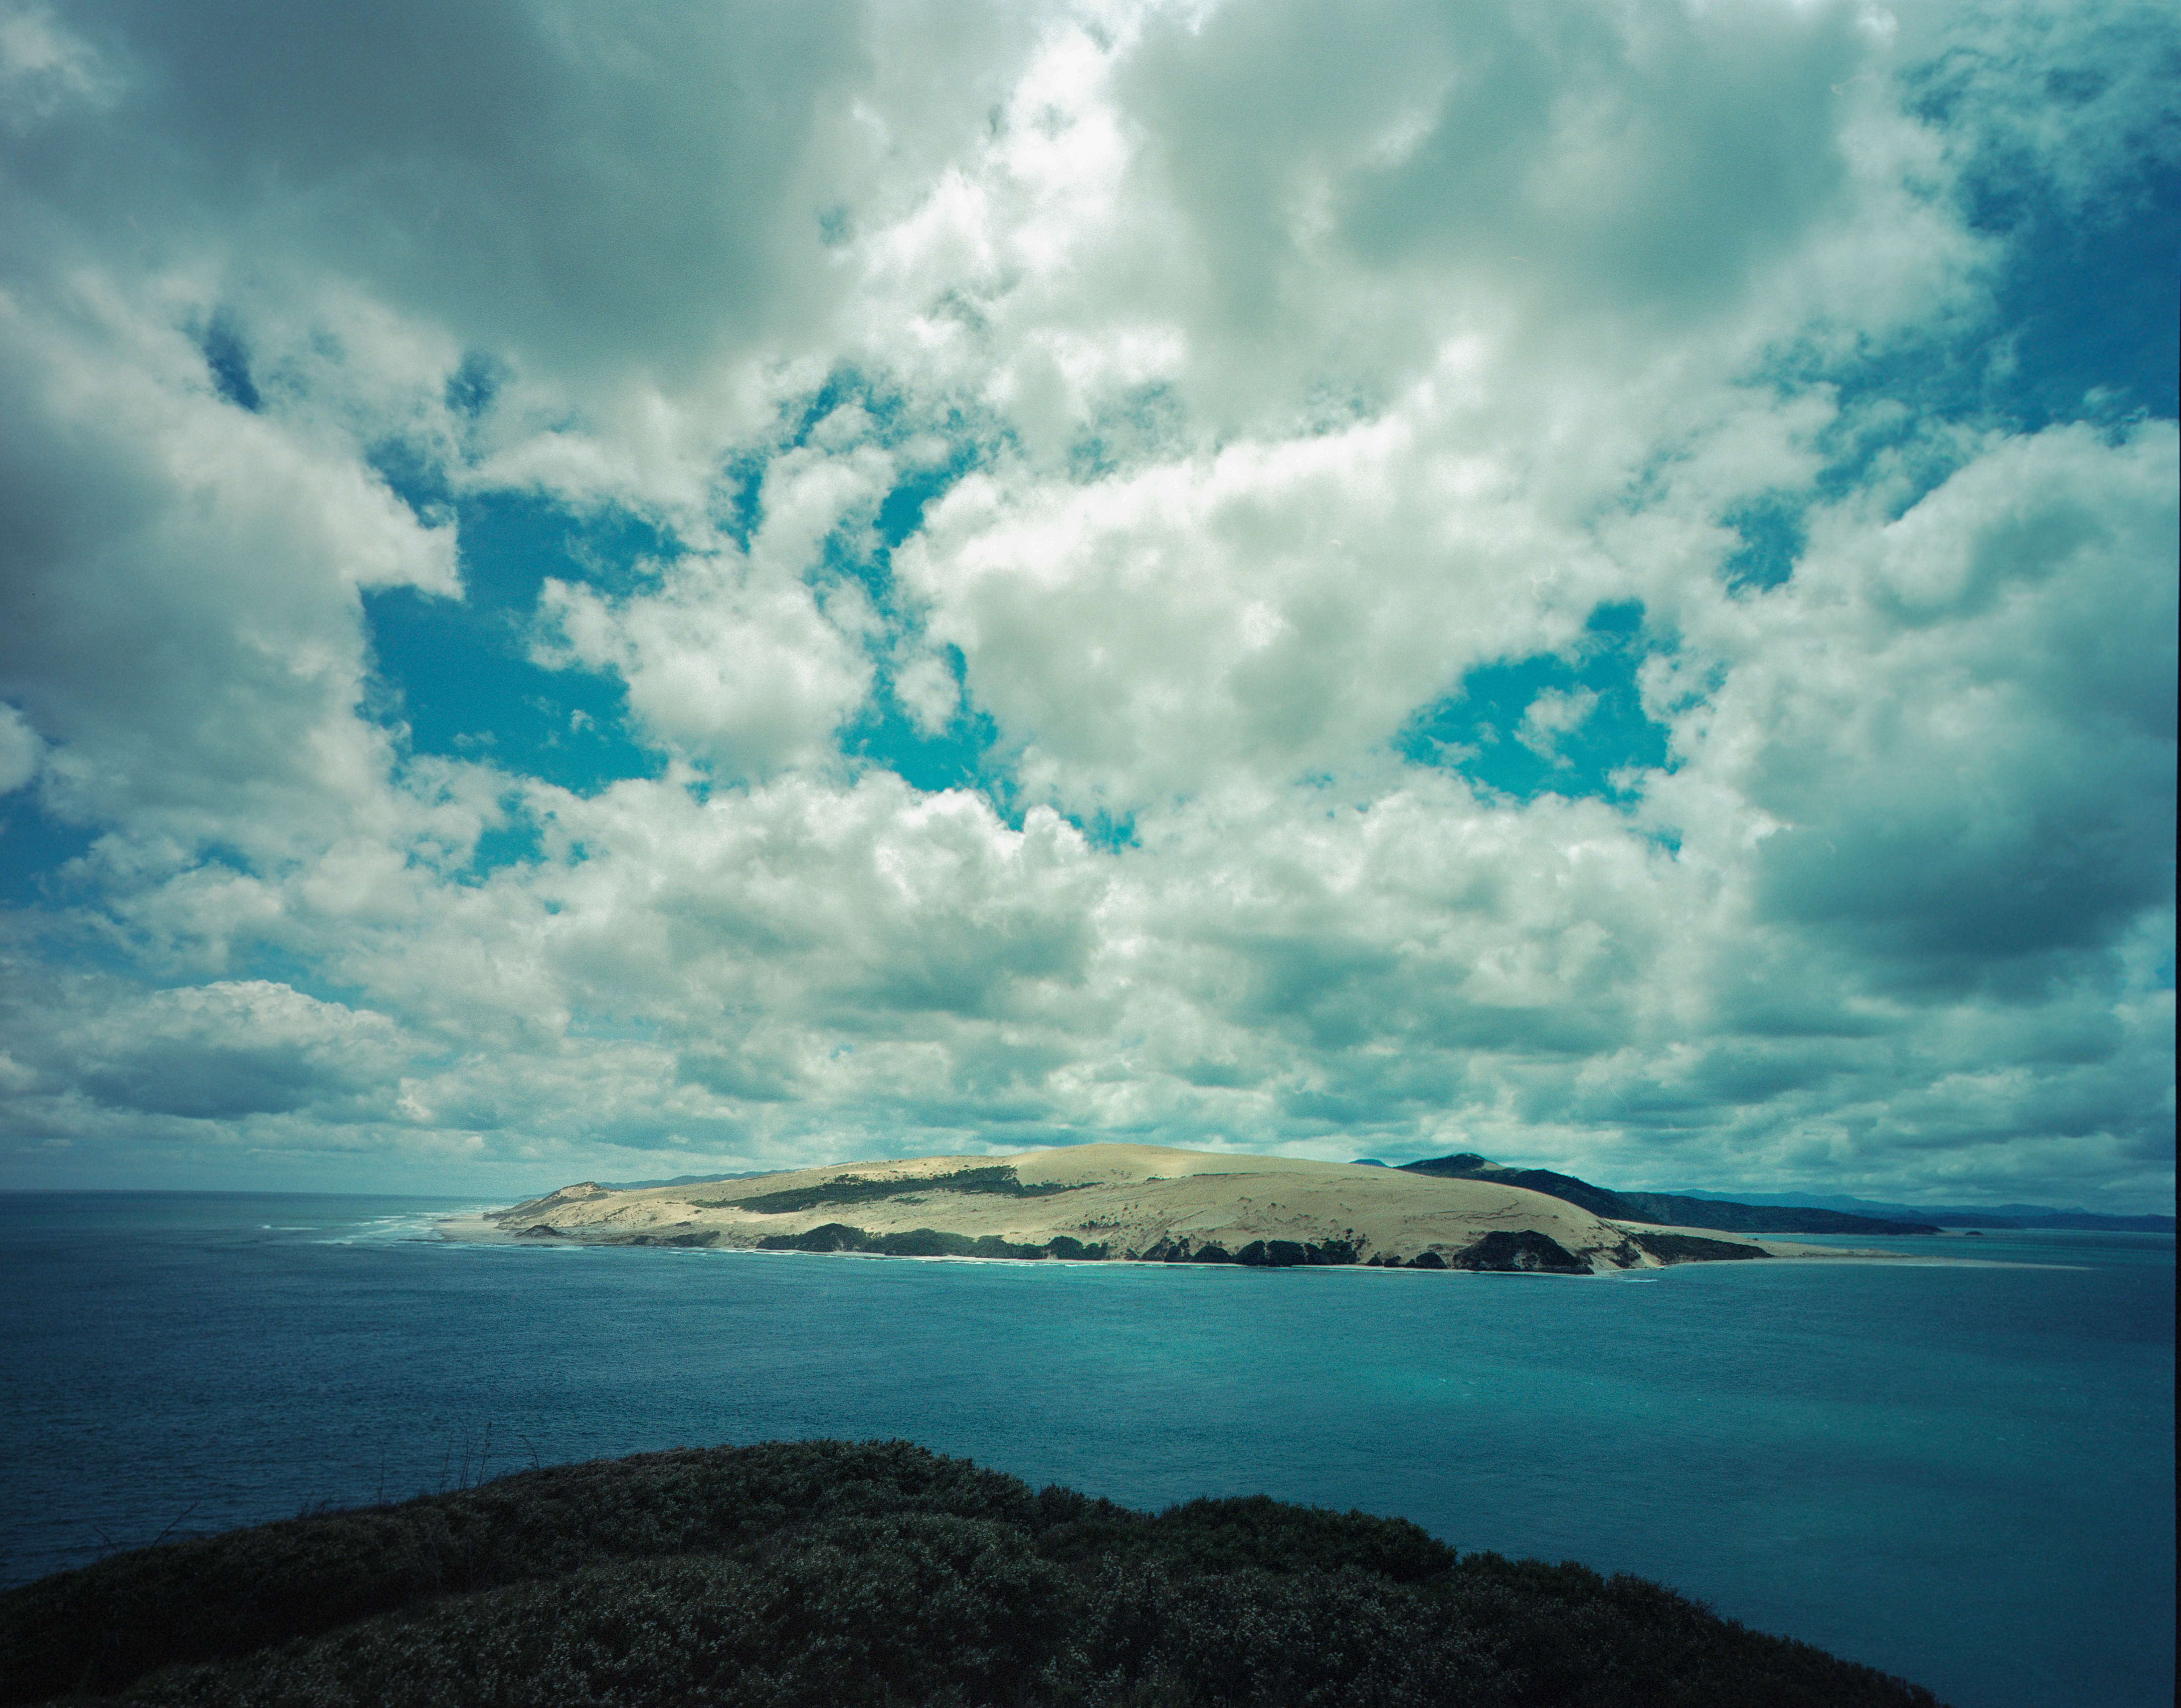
[1116, 1203]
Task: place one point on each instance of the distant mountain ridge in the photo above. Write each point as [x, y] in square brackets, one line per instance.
[1668, 1208]
[1952, 1216]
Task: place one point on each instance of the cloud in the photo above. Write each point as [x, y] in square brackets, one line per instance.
[605, 595]
[1991, 671]
[46, 68]
[178, 618]
[219, 1052]
[475, 163]
[189, 1061]
[738, 668]
[20, 750]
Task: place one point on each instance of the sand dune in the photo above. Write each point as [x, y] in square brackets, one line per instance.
[1141, 1202]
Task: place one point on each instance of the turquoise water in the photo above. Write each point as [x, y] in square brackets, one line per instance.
[1960, 1473]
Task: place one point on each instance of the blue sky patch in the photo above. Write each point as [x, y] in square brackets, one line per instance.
[227, 357]
[33, 848]
[1772, 539]
[842, 385]
[417, 480]
[1548, 724]
[2089, 304]
[456, 675]
[956, 758]
[868, 554]
[903, 512]
[2087, 290]
[472, 388]
[1105, 832]
[735, 509]
[862, 548]
[514, 841]
[2081, 327]
[457, 672]
[512, 542]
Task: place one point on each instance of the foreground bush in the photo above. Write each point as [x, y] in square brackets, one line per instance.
[823, 1573]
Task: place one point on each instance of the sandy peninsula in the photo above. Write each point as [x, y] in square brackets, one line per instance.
[1122, 1202]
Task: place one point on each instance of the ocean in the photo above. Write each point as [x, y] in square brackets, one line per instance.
[1962, 1473]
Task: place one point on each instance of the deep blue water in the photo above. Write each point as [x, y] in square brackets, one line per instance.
[1962, 1474]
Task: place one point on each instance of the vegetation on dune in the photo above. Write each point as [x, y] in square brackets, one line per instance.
[823, 1573]
[999, 1180]
[1683, 1248]
[925, 1242]
[1523, 1250]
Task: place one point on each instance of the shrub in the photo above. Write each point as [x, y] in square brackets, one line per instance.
[823, 1573]
[1524, 1252]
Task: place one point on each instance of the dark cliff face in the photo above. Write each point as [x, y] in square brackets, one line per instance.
[1258, 1254]
[1274, 1254]
[1520, 1251]
[1523, 1252]
[1503, 1251]
[823, 1574]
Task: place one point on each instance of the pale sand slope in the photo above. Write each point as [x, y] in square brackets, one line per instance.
[1135, 1201]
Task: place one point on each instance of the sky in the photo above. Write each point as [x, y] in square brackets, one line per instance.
[592, 591]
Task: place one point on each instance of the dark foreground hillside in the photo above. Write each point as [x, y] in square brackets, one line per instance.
[822, 1572]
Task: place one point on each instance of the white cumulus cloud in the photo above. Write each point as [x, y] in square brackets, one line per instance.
[592, 592]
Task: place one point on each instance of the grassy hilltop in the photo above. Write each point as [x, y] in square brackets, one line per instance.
[837, 1575]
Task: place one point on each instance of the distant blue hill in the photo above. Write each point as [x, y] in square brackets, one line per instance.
[1996, 1216]
[1772, 1212]
[1674, 1209]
